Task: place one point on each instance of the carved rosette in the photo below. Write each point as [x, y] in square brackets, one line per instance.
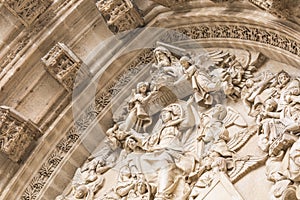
[16, 133]
[27, 10]
[170, 3]
[120, 15]
[65, 66]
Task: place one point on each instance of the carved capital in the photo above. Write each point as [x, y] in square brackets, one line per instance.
[120, 15]
[65, 66]
[16, 133]
[27, 10]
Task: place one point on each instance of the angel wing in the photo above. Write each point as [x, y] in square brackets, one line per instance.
[218, 56]
[240, 138]
[241, 166]
[234, 118]
[174, 49]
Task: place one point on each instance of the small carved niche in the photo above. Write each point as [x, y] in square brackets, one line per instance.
[120, 15]
[65, 66]
[17, 133]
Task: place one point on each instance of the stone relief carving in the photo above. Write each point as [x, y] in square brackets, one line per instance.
[190, 144]
[39, 181]
[16, 133]
[27, 10]
[65, 66]
[120, 15]
[274, 101]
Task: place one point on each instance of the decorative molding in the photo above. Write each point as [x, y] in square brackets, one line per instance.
[27, 10]
[234, 31]
[16, 133]
[65, 66]
[120, 15]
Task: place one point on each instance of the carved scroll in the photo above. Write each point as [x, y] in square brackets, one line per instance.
[65, 66]
[16, 133]
[120, 15]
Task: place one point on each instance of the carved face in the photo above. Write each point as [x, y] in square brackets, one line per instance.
[162, 58]
[166, 115]
[80, 192]
[141, 187]
[132, 144]
[271, 105]
[143, 89]
[125, 172]
[283, 78]
[185, 64]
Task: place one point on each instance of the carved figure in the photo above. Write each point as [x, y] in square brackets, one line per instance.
[213, 133]
[138, 117]
[201, 81]
[165, 69]
[142, 191]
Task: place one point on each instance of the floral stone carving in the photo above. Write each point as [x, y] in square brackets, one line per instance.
[16, 133]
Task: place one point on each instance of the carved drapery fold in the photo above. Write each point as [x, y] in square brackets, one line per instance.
[16, 133]
[120, 15]
[27, 10]
[65, 66]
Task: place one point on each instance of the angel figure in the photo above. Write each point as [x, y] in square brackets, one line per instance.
[138, 117]
[232, 77]
[201, 81]
[213, 132]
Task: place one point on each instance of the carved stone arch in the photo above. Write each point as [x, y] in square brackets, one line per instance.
[62, 157]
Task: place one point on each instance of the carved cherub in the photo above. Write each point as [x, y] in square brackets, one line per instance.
[138, 117]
